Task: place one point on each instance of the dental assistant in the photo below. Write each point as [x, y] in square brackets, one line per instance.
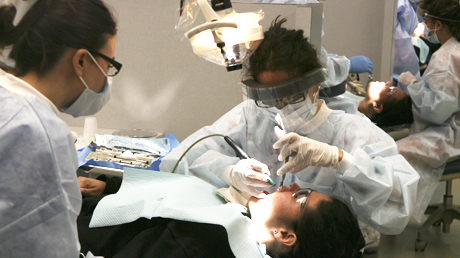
[434, 136]
[62, 53]
[340, 155]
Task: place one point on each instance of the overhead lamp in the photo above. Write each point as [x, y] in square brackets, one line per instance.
[227, 38]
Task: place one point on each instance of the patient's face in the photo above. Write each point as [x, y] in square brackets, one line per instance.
[379, 93]
[282, 205]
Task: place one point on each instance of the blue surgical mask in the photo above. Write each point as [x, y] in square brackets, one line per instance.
[433, 38]
[89, 102]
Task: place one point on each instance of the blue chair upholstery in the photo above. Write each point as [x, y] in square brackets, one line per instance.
[444, 212]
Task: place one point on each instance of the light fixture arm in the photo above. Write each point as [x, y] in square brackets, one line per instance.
[208, 12]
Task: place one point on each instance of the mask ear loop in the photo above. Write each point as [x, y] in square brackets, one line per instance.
[100, 68]
[84, 83]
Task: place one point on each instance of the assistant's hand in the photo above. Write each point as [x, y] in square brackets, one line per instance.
[305, 152]
[91, 186]
[406, 78]
[361, 64]
[247, 173]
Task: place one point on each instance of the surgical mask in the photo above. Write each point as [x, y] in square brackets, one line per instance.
[295, 115]
[89, 102]
[433, 38]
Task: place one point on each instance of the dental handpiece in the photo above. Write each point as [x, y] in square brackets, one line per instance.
[284, 175]
[241, 154]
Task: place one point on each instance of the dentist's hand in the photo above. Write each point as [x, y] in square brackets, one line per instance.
[247, 173]
[305, 152]
[407, 78]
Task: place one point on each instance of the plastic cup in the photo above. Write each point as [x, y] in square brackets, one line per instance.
[90, 129]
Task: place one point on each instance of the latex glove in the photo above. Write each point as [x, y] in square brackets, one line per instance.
[247, 173]
[361, 64]
[91, 186]
[406, 78]
[305, 152]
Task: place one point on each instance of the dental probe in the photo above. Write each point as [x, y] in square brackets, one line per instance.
[284, 175]
[241, 154]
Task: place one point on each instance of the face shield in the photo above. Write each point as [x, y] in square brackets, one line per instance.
[286, 103]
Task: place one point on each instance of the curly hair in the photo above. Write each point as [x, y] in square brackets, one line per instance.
[282, 50]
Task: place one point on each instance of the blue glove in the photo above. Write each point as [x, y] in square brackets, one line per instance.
[360, 64]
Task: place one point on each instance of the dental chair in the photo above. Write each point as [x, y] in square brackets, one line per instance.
[444, 212]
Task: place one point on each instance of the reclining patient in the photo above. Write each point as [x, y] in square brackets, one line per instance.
[158, 214]
[386, 105]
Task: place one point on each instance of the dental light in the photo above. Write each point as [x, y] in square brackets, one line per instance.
[226, 38]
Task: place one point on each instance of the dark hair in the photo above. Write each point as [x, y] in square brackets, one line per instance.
[329, 230]
[395, 112]
[445, 9]
[283, 50]
[44, 33]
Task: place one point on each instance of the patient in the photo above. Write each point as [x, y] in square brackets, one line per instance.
[291, 222]
[386, 105]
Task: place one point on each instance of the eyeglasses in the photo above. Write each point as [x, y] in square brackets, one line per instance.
[302, 199]
[297, 98]
[114, 67]
[389, 90]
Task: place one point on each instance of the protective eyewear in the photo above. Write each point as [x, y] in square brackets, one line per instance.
[114, 67]
[438, 18]
[277, 103]
[302, 196]
[289, 89]
[389, 90]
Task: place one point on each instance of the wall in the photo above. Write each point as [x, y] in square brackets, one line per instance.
[163, 86]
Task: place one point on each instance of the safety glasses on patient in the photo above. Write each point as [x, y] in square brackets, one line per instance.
[389, 90]
[302, 197]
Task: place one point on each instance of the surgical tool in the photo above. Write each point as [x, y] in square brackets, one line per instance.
[241, 154]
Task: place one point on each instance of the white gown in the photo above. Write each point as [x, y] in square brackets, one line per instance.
[435, 134]
[380, 187]
[40, 198]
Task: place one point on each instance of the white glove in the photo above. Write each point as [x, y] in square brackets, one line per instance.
[406, 78]
[305, 152]
[247, 173]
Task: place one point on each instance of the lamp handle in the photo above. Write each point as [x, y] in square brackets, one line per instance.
[208, 12]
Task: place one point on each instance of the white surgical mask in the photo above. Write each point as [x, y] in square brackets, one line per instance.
[90, 102]
[293, 115]
[433, 38]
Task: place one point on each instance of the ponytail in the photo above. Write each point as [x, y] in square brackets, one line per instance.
[41, 37]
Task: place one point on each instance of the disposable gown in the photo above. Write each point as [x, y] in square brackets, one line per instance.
[405, 58]
[435, 134]
[40, 197]
[380, 186]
